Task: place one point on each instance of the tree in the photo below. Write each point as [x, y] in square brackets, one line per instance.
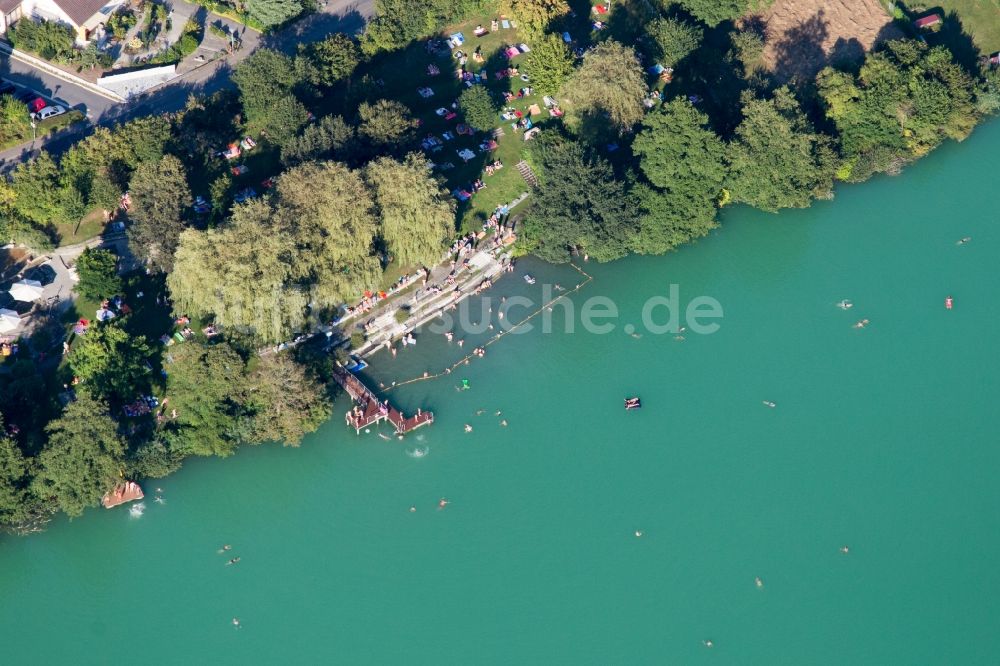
[608, 88]
[678, 151]
[904, 101]
[714, 12]
[204, 386]
[160, 197]
[669, 219]
[285, 118]
[285, 400]
[417, 216]
[580, 204]
[674, 39]
[327, 213]
[478, 108]
[82, 459]
[14, 479]
[534, 16]
[273, 12]
[778, 160]
[265, 78]
[326, 62]
[14, 120]
[240, 273]
[549, 63]
[331, 137]
[386, 125]
[111, 362]
[98, 273]
[41, 197]
[748, 46]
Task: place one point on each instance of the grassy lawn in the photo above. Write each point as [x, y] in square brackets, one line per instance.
[980, 18]
[403, 72]
[91, 226]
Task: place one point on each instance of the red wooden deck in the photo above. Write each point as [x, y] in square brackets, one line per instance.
[368, 409]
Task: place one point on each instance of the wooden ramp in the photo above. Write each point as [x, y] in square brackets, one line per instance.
[369, 410]
[527, 173]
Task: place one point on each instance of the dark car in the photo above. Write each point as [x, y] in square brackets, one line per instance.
[26, 96]
[7, 88]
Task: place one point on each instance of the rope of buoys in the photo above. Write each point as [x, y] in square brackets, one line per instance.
[496, 338]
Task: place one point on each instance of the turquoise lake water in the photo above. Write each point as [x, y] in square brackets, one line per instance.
[882, 439]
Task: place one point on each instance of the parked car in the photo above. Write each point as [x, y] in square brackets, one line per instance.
[50, 111]
[26, 96]
[36, 105]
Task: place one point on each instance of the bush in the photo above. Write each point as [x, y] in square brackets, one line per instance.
[52, 41]
[121, 22]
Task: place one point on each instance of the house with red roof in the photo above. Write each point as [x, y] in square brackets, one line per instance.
[928, 21]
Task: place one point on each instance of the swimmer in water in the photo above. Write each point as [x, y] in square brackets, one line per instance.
[757, 581]
[461, 342]
[845, 305]
[227, 547]
[707, 643]
[963, 241]
[159, 500]
[480, 412]
[679, 338]
[635, 335]
[770, 404]
[498, 413]
[504, 423]
[468, 428]
[638, 533]
[413, 509]
[449, 335]
[236, 622]
[442, 503]
[862, 323]
[233, 561]
[845, 550]
[559, 288]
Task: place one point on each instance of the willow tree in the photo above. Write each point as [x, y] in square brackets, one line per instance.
[240, 274]
[608, 88]
[82, 459]
[417, 217]
[329, 213]
[285, 399]
[534, 16]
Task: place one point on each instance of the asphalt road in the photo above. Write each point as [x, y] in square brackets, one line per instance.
[346, 16]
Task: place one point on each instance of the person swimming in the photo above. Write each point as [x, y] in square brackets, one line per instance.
[963, 241]
[845, 550]
[413, 509]
[504, 423]
[468, 428]
[769, 403]
[707, 643]
[159, 500]
[638, 533]
[442, 503]
[233, 561]
[758, 582]
[845, 304]
[862, 323]
[236, 622]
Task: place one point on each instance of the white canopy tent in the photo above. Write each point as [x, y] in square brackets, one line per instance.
[9, 320]
[26, 290]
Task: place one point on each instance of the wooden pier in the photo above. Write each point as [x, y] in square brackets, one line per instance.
[368, 409]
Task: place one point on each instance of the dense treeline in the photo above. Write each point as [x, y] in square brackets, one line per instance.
[674, 164]
[623, 172]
